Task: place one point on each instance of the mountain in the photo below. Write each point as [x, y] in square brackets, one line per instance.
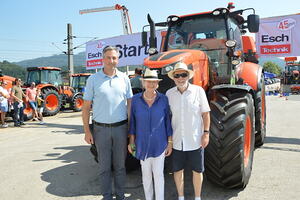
[61, 60]
[53, 61]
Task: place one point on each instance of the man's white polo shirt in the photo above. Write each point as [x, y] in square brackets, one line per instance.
[187, 123]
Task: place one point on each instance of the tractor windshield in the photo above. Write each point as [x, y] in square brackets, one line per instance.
[51, 77]
[79, 82]
[206, 33]
[293, 68]
[34, 76]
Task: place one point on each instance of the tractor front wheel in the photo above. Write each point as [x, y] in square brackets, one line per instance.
[77, 103]
[229, 155]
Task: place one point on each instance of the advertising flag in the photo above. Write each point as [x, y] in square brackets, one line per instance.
[279, 36]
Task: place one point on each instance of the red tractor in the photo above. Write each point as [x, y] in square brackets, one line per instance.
[291, 74]
[55, 93]
[214, 46]
[78, 84]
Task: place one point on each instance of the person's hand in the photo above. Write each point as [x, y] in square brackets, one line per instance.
[129, 148]
[89, 138]
[169, 149]
[204, 140]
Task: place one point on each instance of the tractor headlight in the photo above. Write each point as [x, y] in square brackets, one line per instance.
[235, 62]
[230, 43]
[167, 68]
[152, 51]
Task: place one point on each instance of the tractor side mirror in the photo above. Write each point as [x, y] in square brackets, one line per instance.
[253, 23]
[144, 39]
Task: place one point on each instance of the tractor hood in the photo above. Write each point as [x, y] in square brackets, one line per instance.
[167, 58]
[164, 62]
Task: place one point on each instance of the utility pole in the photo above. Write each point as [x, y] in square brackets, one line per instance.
[70, 52]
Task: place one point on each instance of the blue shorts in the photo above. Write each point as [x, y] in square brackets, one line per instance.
[4, 108]
[32, 104]
[193, 159]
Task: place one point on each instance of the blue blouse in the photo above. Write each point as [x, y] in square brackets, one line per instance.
[150, 125]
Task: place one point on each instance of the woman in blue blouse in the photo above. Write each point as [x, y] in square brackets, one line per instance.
[151, 134]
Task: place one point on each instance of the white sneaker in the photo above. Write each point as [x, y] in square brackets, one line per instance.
[4, 125]
[41, 123]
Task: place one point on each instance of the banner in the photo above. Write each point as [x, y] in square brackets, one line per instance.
[279, 36]
[130, 49]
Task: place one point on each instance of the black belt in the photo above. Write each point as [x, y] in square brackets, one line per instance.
[111, 125]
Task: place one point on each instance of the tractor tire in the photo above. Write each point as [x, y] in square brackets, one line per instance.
[77, 103]
[52, 103]
[260, 114]
[27, 112]
[229, 154]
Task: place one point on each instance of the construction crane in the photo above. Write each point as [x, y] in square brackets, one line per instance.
[124, 15]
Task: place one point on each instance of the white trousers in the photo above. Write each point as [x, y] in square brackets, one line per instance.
[153, 168]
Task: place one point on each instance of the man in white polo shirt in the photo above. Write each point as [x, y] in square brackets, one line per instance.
[190, 123]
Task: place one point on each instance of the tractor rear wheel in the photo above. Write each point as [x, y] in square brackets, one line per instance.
[260, 114]
[229, 155]
[52, 102]
[77, 103]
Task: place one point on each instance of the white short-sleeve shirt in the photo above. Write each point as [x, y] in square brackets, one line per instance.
[187, 122]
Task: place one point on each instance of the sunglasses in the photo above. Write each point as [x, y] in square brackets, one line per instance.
[183, 75]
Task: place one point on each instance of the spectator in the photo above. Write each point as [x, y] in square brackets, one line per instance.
[110, 92]
[31, 93]
[40, 106]
[190, 123]
[18, 95]
[4, 95]
[136, 83]
[151, 132]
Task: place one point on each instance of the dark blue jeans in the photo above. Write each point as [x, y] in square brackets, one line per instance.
[111, 143]
[18, 113]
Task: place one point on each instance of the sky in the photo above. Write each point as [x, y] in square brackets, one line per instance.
[36, 28]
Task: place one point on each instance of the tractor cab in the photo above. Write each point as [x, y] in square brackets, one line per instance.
[79, 81]
[204, 40]
[44, 75]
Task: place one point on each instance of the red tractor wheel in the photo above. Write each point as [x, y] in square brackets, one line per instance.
[28, 112]
[52, 102]
[77, 102]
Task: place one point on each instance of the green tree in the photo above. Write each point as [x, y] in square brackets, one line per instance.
[272, 67]
[13, 70]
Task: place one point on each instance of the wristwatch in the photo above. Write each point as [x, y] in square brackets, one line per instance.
[206, 131]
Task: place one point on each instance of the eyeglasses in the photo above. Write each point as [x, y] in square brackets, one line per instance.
[183, 75]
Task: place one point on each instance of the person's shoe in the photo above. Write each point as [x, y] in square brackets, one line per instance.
[34, 119]
[17, 125]
[41, 123]
[4, 125]
[22, 123]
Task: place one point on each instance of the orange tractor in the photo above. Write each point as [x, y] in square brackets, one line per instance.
[55, 94]
[291, 74]
[214, 46]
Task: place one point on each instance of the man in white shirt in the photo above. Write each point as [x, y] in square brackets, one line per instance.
[190, 123]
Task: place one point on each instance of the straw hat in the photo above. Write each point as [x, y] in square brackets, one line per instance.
[150, 75]
[179, 67]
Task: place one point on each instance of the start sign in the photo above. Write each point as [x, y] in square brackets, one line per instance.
[279, 36]
[131, 51]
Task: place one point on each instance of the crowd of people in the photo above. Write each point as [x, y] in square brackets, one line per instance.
[12, 99]
[176, 124]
